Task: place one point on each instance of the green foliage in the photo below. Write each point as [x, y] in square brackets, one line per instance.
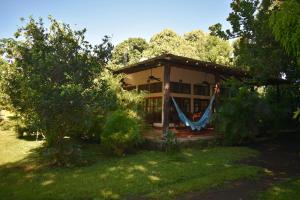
[6, 125]
[267, 46]
[195, 44]
[167, 41]
[3, 97]
[171, 144]
[128, 52]
[256, 49]
[285, 23]
[121, 132]
[283, 101]
[237, 118]
[216, 30]
[54, 82]
[252, 112]
[297, 114]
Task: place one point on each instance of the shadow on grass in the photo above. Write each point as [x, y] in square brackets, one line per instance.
[146, 174]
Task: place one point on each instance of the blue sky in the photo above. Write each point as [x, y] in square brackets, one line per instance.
[117, 18]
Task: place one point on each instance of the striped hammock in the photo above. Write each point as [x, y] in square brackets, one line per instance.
[202, 122]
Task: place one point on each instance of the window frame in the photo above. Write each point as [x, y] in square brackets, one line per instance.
[202, 89]
[180, 88]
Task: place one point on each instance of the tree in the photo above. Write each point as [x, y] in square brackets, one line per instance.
[54, 81]
[260, 51]
[195, 44]
[167, 41]
[3, 96]
[285, 24]
[256, 48]
[128, 52]
[209, 48]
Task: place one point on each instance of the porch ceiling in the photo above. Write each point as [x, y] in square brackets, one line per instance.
[184, 62]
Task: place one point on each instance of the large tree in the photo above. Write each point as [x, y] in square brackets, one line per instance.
[128, 52]
[167, 41]
[285, 24]
[256, 48]
[54, 80]
[195, 44]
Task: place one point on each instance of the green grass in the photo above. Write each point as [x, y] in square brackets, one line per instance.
[147, 174]
[13, 149]
[284, 191]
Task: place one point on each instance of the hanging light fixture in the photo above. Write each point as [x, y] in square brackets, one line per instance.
[151, 77]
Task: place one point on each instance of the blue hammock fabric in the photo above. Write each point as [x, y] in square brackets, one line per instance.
[202, 122]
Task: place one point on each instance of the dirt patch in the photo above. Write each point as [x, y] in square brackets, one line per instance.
[281, 160]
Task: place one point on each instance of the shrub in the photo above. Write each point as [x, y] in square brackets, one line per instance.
[240, 118]
[6, 125]
[171, 142]
[121, 132]
[55, 81]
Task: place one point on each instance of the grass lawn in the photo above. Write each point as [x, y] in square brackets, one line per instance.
[286, 190]
[149, 174]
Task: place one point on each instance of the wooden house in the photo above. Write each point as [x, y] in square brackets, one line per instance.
[191, 82]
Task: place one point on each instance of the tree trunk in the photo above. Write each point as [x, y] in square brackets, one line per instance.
[166, 99]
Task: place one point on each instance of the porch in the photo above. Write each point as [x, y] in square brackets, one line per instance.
[191, 83]
[183, 134]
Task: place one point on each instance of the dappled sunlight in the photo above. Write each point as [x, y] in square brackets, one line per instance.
[129, 176]
[278, 190]
[170, 192]
[153, 178]
[288, 189]
[227, 165]
[103, 176]
[153, 174]
[210, 164]
[47, 182]
[112, 169]
[29, 176]
[188, 154]
[108, 194]
[268, 172]
[139, 168]
[152, 162]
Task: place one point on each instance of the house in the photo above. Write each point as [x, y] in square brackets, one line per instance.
[191, 82]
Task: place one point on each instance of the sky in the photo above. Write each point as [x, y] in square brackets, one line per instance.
[116, 18]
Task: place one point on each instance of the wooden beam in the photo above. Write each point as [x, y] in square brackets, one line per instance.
[166, 99]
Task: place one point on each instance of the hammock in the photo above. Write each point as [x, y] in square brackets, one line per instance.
[202, 122]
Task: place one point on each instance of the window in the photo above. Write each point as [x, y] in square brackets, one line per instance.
[153, 108]
[144, 87]
[152, 87]
[183, 88]
[200, 105]
[129, 88]
[202, 89]
[156, 87]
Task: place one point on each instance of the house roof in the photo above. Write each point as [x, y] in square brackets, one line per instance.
[184, 62]
[179, 61]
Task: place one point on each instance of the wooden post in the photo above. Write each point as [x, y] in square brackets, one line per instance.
[166, 99]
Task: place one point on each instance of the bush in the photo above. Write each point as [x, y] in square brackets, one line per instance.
[121, 132]
[241, 118]
[6, 125]
[171, 143]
